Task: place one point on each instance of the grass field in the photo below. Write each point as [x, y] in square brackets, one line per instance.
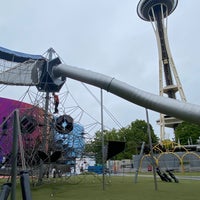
[116, 188]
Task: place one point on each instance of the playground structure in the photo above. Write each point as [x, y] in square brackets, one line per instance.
[178, 159]
[182, 110]
[165, 160]
[157, 13]
[49, 74]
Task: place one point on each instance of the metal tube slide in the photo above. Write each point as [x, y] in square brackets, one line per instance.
[172, 107]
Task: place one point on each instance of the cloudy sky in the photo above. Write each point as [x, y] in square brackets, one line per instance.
[105, 36]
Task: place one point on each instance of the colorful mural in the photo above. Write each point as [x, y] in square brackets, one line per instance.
[68, 138]
[31, 121]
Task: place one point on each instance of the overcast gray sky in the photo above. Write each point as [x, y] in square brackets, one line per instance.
[105, 36]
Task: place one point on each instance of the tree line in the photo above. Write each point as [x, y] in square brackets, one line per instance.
[134, 135]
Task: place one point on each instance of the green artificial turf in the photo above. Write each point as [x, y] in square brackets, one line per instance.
[115, 188]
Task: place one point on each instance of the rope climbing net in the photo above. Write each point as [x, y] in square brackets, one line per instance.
[67, 131]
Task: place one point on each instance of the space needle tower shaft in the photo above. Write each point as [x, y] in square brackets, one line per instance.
[156, 12]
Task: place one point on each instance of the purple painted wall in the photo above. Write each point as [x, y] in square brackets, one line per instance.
[30, 115]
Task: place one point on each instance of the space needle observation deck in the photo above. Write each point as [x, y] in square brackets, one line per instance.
[157, 12]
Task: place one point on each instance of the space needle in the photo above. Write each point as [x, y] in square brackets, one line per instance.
[156, 12]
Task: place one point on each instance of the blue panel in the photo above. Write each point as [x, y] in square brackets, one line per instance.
[15, 56]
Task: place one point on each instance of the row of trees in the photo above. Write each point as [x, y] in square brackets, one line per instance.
[133, 136]
[136, 133]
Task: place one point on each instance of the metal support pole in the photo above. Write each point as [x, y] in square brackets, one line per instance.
[25, 185]
[102, 137]
[138, 163]
[46, 123]
[5, 191]
[44, 138]
[16, 131]
[151, 150]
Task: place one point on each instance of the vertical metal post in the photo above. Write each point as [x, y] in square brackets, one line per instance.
[5, 191]
[25, 185]
[138, 163]
[16, 126]
[102, 138]
[44, 138]
[45, 122]
[151, 150]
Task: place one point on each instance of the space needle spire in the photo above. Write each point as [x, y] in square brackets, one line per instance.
[156, 12]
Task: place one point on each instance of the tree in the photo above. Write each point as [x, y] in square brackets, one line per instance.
[187, 133]
[133, 135]
[137, 133]
[95, 146]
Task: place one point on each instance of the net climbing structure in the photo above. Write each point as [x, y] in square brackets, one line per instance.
[64, 132]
